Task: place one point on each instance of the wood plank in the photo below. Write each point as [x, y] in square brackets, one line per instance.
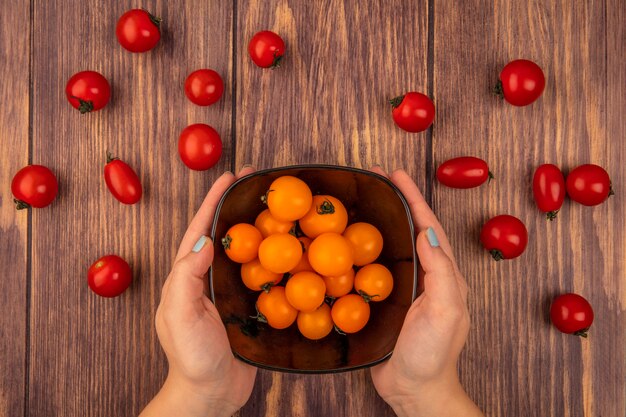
[14, 118]
[515, 363]
[89, 355]
[328, 104]
[607, 367]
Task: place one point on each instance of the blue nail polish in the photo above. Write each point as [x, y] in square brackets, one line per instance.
[432, 237]
[199, 244]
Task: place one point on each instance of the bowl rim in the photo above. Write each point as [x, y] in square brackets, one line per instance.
[329, 167]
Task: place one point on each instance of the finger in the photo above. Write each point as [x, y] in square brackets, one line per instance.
[378, 170]
[201, 223]
[423, 216]
[246, 170]
[186, 282]
[440, 277]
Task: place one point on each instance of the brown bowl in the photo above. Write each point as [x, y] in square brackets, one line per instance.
[368, 197]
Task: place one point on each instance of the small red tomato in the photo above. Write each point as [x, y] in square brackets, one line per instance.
[34, 185]
[572, 314]
[109, 276]
[266, 49]
[464, 172]
[122, 181]
[88, 91]
[199, 146]
[413, 112]
[549, 189]
[504, 236]
[138, 31]
[521, 82]
[204, 87]
[589, 185]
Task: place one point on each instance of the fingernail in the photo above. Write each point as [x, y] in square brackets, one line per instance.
[200, 244]
[375, 166]
[432, 237]
[247, 166]
[227, 172]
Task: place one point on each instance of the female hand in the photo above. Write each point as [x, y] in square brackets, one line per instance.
[204, 378]
[421, 376]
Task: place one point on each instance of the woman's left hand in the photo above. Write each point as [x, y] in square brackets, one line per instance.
[204, 377]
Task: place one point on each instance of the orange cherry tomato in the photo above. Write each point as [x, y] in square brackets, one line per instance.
[280, 253]
[350, 313]
[304, 264]
[339, 285]
[367, 242]
[316, 324]
[241, 242]
[327, 214]
[305, 291]
[288, 198]
[274, 309]
[257, 278]
[268, 225]
[374, 282]
[331, 254]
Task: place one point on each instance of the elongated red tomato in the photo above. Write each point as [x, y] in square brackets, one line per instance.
[122, 181]
[34, 186]
[549, 189]
[464, 172]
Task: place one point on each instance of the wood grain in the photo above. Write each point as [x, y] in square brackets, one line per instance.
[515, 363]
[65, 351]
[328, 104]
[91, 356]
[14, 245]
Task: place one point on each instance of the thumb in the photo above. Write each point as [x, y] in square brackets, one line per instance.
[188, 274]
[197, 262]
[440, 276]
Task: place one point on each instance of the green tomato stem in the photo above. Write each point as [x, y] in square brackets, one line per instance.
[20, 205]
[496, 254]
[395, 102]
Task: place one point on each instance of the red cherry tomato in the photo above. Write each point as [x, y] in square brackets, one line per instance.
[34, 185]
[549, 189]
[464, 172]
[504, 236]
[572, 314]
[589, 185]
[109, 276]
[521, 82]
[204, 87]
[199, 146]
[88, 91]
[138, 31]
[122, 181]
[266, 49]
[413, 112]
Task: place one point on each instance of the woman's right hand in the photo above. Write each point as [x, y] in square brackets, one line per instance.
[420, 378]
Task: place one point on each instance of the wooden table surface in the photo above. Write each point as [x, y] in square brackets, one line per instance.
[66, 352]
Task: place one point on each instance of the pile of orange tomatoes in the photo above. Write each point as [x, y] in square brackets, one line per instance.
[329, 266]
